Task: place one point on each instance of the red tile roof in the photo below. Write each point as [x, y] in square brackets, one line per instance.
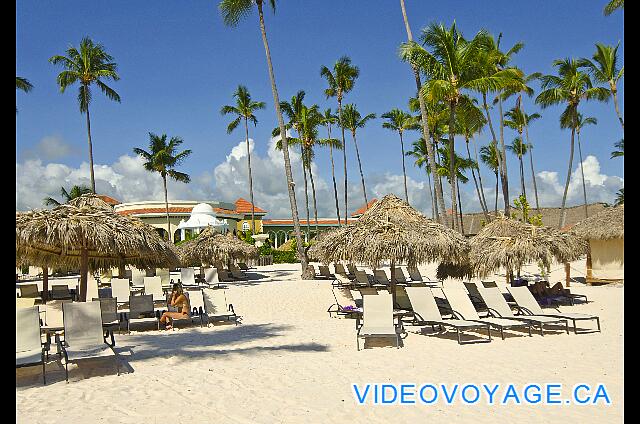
[363, 209]
[302, 222]
[154, 210]
[243, 206]
[109, 200]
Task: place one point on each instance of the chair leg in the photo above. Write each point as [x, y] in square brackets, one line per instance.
[458, 331]
[44, 379]
[598, 321]
[541, 330]
[489, 331]
[502, 332]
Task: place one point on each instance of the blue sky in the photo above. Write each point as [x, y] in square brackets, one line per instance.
[179, 64]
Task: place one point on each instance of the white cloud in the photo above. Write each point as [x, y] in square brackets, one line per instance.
[48, 149]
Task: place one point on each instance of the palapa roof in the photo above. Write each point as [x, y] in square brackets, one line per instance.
[391, 230]
[506, 242]
[55, 237]
[605, 225]
[210, 246]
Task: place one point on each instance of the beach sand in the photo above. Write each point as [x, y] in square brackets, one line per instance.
[288, 362]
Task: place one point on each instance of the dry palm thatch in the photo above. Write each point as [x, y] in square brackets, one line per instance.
[508, 243]
[605, 225]
[89, 237]
[447, 270]
[210, 247]
[391, 230]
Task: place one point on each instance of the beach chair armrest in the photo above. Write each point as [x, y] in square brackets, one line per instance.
[493, 313]
[231, 308]
[525, 311]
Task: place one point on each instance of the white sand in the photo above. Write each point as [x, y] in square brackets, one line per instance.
[289, 362]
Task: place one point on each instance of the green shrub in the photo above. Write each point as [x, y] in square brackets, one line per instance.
[287, 257]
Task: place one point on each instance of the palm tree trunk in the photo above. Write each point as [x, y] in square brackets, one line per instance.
[452, 163]
[563, 213]
[460, 209]
[253, 220]
[524, 190]
[614, 92]
[495, 140]
[344, 157]
[433, 203]
[496, 207]
[306, 189]
[93, 181]
[45, 284]
[404, 172]
[84, 269]
[333, 177]
[484, 199]
[166, 205]
[364, 189]
[441, 216]
[584, 187]
[306, 273]
[313, 193]
[533, 174]
[439, 191]
[475, 182]
[503, 152]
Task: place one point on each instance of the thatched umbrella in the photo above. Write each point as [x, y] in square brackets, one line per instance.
[605, 226]
[89, 235]
[391, 230]
[508, 243]
[211, 246]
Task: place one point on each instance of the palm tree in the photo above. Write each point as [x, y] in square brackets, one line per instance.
[90, 65]
[75, 192]
[489, 155]
[620, 197]
[580, 123]
[618, 153]
[422, 160]
[352, 120]
[612, 6]
[470, 121]
[24, 85]
[162, 157]
[570, 86]
[461, 164]
[431, 153]
[400, 121]
[341, 81]
[232, 12]
[605, 70]
[328, 120]
[453, 66]
[244, 109]
[518, 120]
[520, 149]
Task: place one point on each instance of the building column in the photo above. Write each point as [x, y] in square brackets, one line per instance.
[182, 233]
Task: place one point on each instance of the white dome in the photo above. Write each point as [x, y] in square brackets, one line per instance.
[202, 208]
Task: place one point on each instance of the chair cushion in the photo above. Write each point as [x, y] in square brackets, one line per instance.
[33, 356]
[378, 331]
[75, 353]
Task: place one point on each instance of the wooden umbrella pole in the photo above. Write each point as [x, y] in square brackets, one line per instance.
[45, 284]
[567, 273]
[84, 268]
[393, 282]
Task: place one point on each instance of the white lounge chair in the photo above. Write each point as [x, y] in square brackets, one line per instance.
[120, 290]
[153, 286]
[378, 319]
[110, 317]
[499, 308]
[529, 305]
[187, 277]
[83, 336]
[462, 308]
[426, 312]
[165, 276]
[216, 306]
[29, 347]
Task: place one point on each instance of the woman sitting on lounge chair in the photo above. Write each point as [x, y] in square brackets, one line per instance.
[541, 289]
[179, 300]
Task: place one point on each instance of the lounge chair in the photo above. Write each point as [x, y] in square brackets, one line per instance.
[475, 296]
[141, 311]
[61, 292]
[153, 286]
[340, 270]
[25, 302]
[196, 301]
[165, 276]
[415, 275]
[357, 297]
[570, 298]
[215, 302]
[378, 319]
[400, 277]
[426, 312]
[29, 290]
[367, 290]
[341, 309]
[110, 317]
[380, 277]
[211, 277]
[83, 336]
[120, 290]
[499, 308]
[92, 287]
[243, 266]
[238, 274]
[29, 347]
[529, 305]
[324, 271]
[352, 269]
[187, 277]
[224, 275]
[362, 278]
[462, 308]
[402, 299]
